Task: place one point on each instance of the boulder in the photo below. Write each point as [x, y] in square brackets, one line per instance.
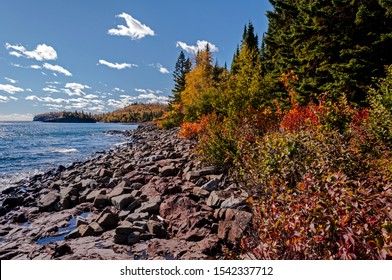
[101, 201]
[137, 217]
[157, 229]
[216, 198]
[232, 230]
[167, 171]
[122, 202]
[151, 206]
[233, 202]
[108, 220]
[211, 185]
[48, 201]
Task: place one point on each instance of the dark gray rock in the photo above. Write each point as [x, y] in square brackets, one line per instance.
[122, 202]
[211, 185]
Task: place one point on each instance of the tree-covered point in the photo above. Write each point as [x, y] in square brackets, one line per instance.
[134, 113]
[66, 117]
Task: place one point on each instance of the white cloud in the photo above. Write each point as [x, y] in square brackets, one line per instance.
[5, 99]
[51, 90]
[201, 45]
[118, 89]
[10, 89]
[75, 89]
[134, 29]
[118, 66]
[160, 68]
[146, 91]
[41, 52]
[35, 67]
[12, 81]
[57, 68]
[91, 96]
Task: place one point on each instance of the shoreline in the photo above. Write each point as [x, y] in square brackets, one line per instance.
[18, 177]
[152, 199]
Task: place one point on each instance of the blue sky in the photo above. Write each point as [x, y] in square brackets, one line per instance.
[99, 56]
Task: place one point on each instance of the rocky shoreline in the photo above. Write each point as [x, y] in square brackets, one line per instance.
[152, 199]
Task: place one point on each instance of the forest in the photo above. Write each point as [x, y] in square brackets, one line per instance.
[303, 120]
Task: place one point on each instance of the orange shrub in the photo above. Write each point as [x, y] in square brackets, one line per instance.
[190, 130]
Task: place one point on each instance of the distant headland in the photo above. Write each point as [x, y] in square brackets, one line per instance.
[65, 117]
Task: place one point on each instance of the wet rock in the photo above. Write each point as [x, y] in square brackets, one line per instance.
[12, 202]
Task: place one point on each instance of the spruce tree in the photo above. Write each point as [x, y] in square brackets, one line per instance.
[182, 67]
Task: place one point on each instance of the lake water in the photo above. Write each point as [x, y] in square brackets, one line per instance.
[28, 148]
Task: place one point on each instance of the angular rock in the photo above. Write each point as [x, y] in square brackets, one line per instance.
[108, 221]
[97, 228]
[12, 202]
[122, 202]
[211, 185]
[157, 229]
[232, 230]
[151, 206]
[85, 230]
[167, 171]
[101, 201]
[200, 192]
[233, 202]
[137, 217]
[216, 198]
[48, 201]
[105, 173]
[125, 228]
[133, 238]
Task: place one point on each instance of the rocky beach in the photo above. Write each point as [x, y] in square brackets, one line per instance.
[150, 199]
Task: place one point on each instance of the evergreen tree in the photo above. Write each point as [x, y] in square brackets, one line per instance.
[333, 46]
[183, 66]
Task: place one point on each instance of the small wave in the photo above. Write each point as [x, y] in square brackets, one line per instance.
[66, 151]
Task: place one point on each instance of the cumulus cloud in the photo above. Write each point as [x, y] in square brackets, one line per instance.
[41, 52]
[146, 91]
[118, 66]
[57, 68]
[69, 104]
[35, 67]
[5, 99]
[10, 89]
[12, 81]
[200, 46]
[50, 89]
[151, 96]
[134, 29]
[72, 89]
